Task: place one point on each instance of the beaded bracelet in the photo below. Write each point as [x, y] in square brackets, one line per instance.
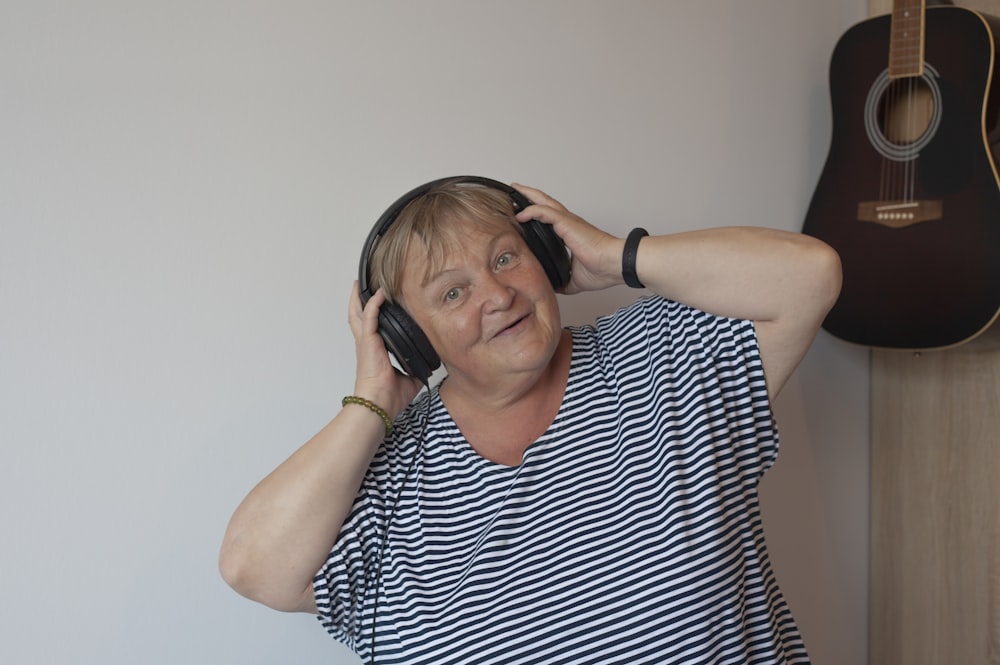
[368, 404]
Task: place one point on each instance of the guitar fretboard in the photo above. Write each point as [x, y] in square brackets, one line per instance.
[906, 39]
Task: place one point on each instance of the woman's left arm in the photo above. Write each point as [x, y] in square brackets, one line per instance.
[785, 282]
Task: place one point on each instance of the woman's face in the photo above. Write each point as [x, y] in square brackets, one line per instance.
[489, 312]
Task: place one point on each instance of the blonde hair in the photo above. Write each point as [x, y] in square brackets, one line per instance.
[436, 220]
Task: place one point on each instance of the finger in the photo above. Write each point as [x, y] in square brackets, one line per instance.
[354, 307]
[550, 214]
[537, 196]
[374, 303]
[363, 317]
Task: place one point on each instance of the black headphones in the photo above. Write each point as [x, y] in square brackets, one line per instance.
[402, 336]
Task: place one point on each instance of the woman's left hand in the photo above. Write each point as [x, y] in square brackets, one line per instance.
[596, 254]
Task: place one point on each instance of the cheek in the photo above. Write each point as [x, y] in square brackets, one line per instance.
[541, 291]
[458, 327]
[456, 331]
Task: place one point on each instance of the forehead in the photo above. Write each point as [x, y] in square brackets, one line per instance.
[453, 245]
[432, 227]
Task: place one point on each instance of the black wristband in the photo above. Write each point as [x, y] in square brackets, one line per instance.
[628, 258]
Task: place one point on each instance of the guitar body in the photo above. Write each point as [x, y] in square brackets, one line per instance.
[933, 282]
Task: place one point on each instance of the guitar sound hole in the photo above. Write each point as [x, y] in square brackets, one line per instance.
[902, 115]
[906, 110]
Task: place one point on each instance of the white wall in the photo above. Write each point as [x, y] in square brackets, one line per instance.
[184, 189]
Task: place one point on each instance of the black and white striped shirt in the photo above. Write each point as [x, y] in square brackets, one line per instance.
[631, 533]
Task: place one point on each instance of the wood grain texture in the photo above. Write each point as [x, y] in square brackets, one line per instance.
[935, 513]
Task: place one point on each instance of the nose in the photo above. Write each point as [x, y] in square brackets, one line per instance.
[495, 293]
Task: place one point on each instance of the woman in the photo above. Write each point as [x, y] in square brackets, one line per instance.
[575, 495]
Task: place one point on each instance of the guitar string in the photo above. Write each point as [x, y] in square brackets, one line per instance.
[912, 117]
[889, 122]
[900, 115]
[911, 109]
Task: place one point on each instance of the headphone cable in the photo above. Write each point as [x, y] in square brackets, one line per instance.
[388, 523]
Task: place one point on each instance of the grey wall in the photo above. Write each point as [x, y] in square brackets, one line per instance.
[184, 189]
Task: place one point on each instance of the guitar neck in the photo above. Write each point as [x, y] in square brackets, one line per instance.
[906, 39]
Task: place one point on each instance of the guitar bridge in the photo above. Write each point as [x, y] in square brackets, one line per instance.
[899, 214]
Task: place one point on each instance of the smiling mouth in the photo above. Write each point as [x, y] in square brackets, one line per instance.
[512, 326]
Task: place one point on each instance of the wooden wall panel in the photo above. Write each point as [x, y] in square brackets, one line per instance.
[935, 514]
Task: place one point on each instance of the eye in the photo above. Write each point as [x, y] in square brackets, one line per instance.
[504, 260]
[452, 294]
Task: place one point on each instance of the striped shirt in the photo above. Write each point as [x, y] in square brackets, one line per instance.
[631, 532]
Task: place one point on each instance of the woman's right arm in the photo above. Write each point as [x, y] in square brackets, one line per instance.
[282, 532]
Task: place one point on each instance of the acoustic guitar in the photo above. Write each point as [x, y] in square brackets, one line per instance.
[909, 194]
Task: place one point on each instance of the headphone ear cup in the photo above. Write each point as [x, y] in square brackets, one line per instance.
[550, 251]
[407, 342]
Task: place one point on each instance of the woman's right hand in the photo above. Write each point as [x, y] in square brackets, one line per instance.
[376, 379]
[282, 532]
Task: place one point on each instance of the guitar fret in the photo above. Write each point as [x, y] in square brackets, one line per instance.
[906, 39]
